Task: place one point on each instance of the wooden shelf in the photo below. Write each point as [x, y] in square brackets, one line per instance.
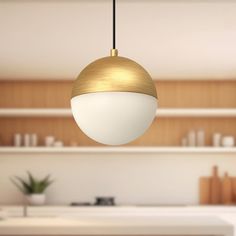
[161, 112]
[43, 107]
[131, 150]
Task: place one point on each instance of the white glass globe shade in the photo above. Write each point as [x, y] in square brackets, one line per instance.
[114, 118]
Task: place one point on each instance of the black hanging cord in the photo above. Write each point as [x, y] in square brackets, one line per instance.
[114, 23]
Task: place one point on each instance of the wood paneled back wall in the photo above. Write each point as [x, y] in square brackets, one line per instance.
[163, 132]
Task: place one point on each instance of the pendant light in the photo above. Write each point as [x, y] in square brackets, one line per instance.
[114, 99]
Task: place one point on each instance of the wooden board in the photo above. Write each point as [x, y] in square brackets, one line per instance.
[227, 193]
[233, 181]
[215, 187]
[204, 190]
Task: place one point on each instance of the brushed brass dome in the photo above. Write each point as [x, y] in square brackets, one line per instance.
[114, 74]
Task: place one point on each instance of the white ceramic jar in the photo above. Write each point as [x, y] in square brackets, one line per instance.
[216, 140]
[49, 141]
[228, 141]
[17, 140]
[34, 140]
[26, 140]
[191, 138]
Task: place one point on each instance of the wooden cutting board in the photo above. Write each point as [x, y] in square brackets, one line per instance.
[233, 182]
[227, 192]
[215, 188]
[204, 190]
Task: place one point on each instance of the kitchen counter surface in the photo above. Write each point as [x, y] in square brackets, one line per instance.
[116, 225]
[55, 210]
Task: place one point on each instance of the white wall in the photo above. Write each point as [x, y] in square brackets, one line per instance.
[171, 39]
[133, 179]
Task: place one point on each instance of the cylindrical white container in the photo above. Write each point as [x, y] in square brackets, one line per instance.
[17, 140]
[191, 138]
[184, 142]
[34, 140]
[26, 140]
[216, 140]
[200, 138]
[49, 141]
[228, 141]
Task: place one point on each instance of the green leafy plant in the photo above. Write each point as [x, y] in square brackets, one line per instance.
[31, 185]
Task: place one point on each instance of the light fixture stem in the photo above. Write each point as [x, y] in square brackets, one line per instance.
[114, 23]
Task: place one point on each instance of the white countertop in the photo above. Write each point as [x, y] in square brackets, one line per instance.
[56, 210]
[117, 225]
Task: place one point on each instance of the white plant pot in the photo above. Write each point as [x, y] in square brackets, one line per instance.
[36, 199]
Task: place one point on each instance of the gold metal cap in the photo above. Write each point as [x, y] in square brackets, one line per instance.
[114, 52]
[114, 74]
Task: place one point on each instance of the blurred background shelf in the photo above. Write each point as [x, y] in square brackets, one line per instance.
[161, 112]
[184, 106]
[134, 150]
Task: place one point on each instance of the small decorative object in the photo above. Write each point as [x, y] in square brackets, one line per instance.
[200, 138]
[105, 201]
[33, 189]
[49, 141]
[33, 140]
[216, 140]
[36, 199]
[58, 144]
[17, 140]
[191, 138]
[26, 140]
[228, 141]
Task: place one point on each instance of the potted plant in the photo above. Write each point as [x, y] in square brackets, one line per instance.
[33, 189]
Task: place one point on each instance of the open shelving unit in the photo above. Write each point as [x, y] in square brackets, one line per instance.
[184, 105]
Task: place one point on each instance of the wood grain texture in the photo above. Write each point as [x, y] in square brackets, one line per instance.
[204, 190]
[233, 181]
[33, 94]
[215, 187]
[64, 129]
[163, 132]
[170, 131]
[227, 192]
[215, 190]
[197, 94]
[171, 94]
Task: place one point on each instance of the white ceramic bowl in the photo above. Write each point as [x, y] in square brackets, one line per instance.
[228, 141]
